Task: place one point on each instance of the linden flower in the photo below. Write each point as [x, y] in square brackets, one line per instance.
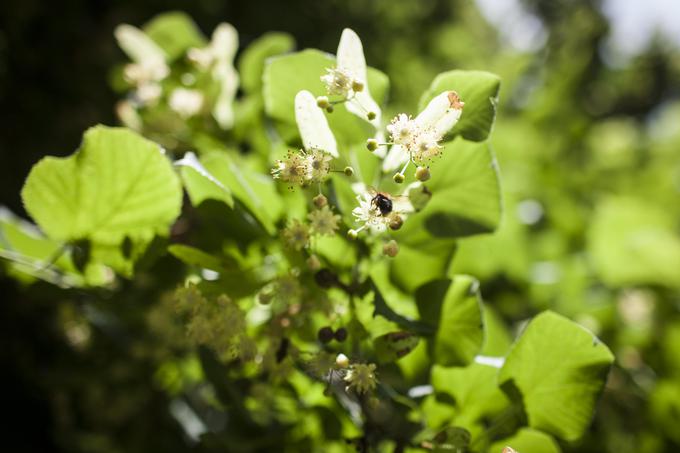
[323, 221]
[296, 235]
[293, 169]
[338, 82]
[304, 167]
[349, 79]
[418, 140]
[186, 103]
[361, 377]
[368, 213]
[402, 129]
[318, 164]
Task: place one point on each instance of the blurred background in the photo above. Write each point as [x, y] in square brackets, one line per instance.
[588, 142]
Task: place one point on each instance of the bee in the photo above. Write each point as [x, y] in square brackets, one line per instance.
[383, 203]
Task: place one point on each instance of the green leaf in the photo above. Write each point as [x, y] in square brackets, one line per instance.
[454, 307]
[527, 440]
[634, 242]
[256, 191]
[29, 253]
[174, 32]
[465, 196]
[197, 257]
[285, 76]
[252, 61]
[479, 90]
[200, 184]
[415, 266]
[473, 388]
[392, 346]
[117, 185]
[557, 370]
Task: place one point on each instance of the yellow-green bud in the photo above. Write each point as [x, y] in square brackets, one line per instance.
[398, 178]
[396, 222]
[372, 144]
[391, 248]
[357, 86]
[371, 116]
[423, 174]
[322, 102]
[349, 171]
[320, 201]
[342, 361]
[352, 234]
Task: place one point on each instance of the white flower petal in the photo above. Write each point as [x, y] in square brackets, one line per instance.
[138, 46]
[396, 157]
[351, 60]
[351, 55]
[439, 114]
[224, 42]
[223, 111]
[312, 124]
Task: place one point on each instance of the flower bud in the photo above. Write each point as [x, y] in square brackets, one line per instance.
[357, 86]
[352, 234]
[391, 248]
[320, 201]
[419, 197]
[396, 222]
[340, 334]
[342, 361]
[322, 102]
[371, 116]
[372, 144]
[325, 334]
[423, 174]
[349, 171]
[313, 263]
[264, 297]
[326, 279]
[398, 178]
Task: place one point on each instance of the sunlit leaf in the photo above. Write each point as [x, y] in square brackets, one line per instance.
[118, 187]
[465, 196]
[527, 440]
[252, 61]
[200, 183]
[175, 32]
[454, 307]
[557, 370]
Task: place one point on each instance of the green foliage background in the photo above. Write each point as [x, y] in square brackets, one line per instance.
[594, 150]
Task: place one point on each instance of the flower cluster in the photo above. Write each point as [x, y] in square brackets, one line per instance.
[304, 167]
[349, 80]
[417, 139]
[420, 137]
[323, 221]
[296, 235]
[361, 377]
[148, 67]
